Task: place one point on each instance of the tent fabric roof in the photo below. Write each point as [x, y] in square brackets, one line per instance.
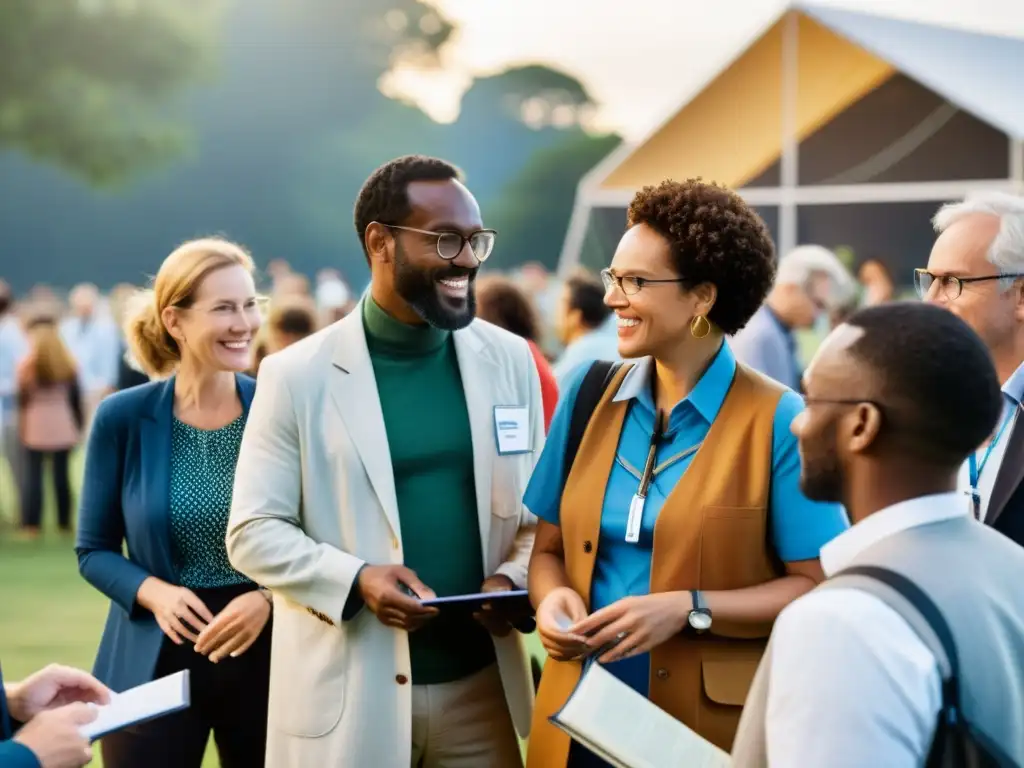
[979, 73]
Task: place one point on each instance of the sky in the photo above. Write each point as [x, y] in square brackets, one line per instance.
[641, 58]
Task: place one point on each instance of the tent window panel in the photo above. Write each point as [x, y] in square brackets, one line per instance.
[604, 230]
[903, 132]
[897, 234]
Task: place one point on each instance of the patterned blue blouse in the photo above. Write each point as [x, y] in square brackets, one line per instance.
[202, 474]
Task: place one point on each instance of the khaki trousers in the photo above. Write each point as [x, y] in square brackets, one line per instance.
[464, 724]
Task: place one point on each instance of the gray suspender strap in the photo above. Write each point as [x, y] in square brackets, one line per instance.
[911, 603]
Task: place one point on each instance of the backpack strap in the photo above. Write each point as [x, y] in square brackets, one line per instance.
[918, 610]
[592, 389]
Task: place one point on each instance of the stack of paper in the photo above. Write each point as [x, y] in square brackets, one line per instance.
[161, 697]
[618, 724]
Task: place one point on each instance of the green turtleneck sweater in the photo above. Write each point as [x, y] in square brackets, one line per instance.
[427, 425]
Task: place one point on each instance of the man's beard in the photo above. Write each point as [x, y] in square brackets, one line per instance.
[821, 477]
[419, 288]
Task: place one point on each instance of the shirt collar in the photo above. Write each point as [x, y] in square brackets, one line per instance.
[934, 508]
[383, 332]
[1014, 386]
[707, 397]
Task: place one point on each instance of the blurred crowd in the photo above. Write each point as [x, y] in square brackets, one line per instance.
[71, 347]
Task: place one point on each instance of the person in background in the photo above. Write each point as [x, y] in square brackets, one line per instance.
[290, 320]
[897, 398]
[543, 290]
[502, 302]
[976, 271]
[333, 297]
[810, 283]
[291, 284]
[91, 335]
[158, 477]
[41, 718]
[129, 373]
[13, 346]
[687, 581]
[378, 470]
[50, 420]
[584, 325]
[876, 282]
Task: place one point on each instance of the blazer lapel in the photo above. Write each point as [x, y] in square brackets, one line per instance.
[353, 390]
[155, 433]
[1011, 470]
[478, 369]
[246, 388]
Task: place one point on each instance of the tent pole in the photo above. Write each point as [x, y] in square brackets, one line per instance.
[572, 247]
[789, 168]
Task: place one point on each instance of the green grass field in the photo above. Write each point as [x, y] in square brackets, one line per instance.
[47, 611]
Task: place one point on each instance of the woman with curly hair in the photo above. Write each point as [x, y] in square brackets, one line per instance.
[666, 549]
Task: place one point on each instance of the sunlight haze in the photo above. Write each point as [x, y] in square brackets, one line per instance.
[640, 59]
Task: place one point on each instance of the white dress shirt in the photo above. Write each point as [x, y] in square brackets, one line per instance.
[1013, 395]
[852, 685]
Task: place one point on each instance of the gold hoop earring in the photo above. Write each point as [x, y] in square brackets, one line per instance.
[700, 327]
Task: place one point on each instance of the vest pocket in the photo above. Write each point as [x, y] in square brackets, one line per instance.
[725, 682]
[733, 548]
[728, 681]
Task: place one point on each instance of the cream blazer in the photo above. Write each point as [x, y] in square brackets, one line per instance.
[314, 499]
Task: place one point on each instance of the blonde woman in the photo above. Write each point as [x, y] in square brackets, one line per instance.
[51, 421]
[158, 476]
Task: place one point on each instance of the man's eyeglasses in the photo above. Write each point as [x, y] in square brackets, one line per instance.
[951, 286]
[630, 285]
[450, 244]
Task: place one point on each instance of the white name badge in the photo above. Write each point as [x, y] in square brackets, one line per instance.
[512, 429]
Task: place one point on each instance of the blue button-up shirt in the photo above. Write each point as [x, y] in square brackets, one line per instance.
[768, 346]
[799, 527]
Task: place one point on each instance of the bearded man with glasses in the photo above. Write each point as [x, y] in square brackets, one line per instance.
[976, 271]
[384, 466]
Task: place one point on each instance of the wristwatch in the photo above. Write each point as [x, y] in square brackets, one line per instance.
[700, 615]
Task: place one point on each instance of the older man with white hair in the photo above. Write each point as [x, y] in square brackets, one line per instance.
[810, 283]
[976, 271]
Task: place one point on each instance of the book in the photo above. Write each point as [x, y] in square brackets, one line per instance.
[137, 705]
[624, 728]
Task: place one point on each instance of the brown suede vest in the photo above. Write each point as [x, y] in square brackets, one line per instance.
[711, 534]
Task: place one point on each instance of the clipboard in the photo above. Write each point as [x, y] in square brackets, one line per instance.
[149, 701]
[510, 600]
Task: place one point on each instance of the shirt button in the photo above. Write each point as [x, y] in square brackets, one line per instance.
[662, 674]
[401, 679]
[394, 543]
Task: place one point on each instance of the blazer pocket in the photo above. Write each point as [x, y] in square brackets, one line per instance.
[506, 496]
[308, 663]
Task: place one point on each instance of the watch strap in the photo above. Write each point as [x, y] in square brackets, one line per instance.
[697, 602]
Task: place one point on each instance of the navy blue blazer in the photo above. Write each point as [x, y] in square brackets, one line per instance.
[12, 754]
[126, 499]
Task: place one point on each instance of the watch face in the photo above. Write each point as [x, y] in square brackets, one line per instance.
[700, 620]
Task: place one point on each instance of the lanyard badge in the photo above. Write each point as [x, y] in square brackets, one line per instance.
[634, 522]
[975, 468]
